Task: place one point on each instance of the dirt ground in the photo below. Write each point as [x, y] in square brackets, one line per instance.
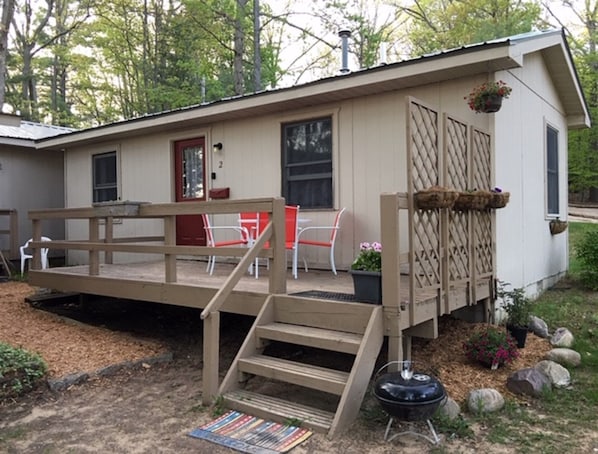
[151, 407]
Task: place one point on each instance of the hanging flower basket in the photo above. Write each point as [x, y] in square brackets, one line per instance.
[557, 226]
[498, 199]
[472, 200]
[487, 98]
[435, 197]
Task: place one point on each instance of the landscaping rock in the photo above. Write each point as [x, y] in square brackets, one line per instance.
[450, 408]
[538, 327]
[564, 356]
[63, 383]
[562, 337]
[529, 382]
[558, 375]
[485, 400]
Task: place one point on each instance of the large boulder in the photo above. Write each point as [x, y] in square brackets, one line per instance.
[562, 337]
[564, 356]
[538, 327]
[450, 408]
[558, 375]
[529, 382]
[485, 400]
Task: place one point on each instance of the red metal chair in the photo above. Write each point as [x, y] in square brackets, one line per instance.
[334, 228]
[211, 242]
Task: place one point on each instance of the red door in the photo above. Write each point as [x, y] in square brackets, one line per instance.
[190, 178]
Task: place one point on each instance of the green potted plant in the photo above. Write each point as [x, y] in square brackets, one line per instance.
[366, 271]
[491, 346]
[488, 97]
[518, 308]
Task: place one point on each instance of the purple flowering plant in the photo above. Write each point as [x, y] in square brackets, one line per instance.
[369, 258]
[491, 346]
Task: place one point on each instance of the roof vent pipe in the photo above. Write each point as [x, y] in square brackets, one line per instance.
[345, 34]
[383, 60]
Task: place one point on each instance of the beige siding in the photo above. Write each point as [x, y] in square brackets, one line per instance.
[31, 180]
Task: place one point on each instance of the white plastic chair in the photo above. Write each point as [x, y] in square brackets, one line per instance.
[211, 242]
[25, 256]
[329, 244]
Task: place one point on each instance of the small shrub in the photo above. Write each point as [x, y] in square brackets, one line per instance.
[517, 306]
[20, 370]
[587, 253]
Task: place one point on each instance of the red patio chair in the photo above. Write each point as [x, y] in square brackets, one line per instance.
[211, 242]
[329, 244]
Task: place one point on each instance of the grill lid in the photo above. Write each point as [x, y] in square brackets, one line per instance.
[420, 388]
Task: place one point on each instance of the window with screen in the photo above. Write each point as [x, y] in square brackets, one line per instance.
[552, 171]
[104, 177]
[307, 163]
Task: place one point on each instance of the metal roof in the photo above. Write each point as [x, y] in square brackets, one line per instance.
[28, 130]
[494, 55]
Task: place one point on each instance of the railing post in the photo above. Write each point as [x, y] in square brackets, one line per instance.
[108, 237]
[391, 272]
[211, 363]
[14, 234]
[278, 277]
[94, 254]
[36, 262]
[170, 240]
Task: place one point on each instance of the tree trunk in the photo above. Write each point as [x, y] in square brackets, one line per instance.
[8, 9]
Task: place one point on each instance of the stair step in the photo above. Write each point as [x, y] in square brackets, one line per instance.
[279, 410]
[337, 341]
[314, 377]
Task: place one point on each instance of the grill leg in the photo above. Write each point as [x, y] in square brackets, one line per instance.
[434, 440]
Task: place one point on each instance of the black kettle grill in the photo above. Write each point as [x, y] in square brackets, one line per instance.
[409, 396]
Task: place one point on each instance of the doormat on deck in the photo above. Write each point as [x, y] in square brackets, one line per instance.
[326, 295]
[249, 434]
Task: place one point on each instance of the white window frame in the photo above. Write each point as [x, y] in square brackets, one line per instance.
[552, 172]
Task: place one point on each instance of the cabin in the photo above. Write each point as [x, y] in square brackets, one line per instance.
[30, 179]
[368, 141]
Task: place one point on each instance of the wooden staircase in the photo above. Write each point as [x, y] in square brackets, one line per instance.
[350, 328]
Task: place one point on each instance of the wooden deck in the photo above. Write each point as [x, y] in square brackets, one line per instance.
[194, 286]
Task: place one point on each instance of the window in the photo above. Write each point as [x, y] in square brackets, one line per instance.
[104, 177]
[307, 163]
[552, 171]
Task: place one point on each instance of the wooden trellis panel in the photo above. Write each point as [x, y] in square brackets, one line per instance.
[424, 171]
[448, 249]
[482, 220]
[458, 169]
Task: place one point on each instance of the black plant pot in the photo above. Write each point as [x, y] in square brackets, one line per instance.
[519, 333]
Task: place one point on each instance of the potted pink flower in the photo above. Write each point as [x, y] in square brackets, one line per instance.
[366, 271]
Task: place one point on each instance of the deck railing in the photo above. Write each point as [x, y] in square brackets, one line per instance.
[450, 262]
[105, 214]
[12, 232]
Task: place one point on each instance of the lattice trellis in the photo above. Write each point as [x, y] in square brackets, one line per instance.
[461, 241]
[424, 160]
[427, 248]
[482, 220]
[424, 145]
[457, 177]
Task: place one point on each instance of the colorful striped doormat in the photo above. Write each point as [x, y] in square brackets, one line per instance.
[249, 434]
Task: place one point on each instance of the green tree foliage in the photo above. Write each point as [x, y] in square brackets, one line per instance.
[583, 144]
[444, 24]
[587, 253]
